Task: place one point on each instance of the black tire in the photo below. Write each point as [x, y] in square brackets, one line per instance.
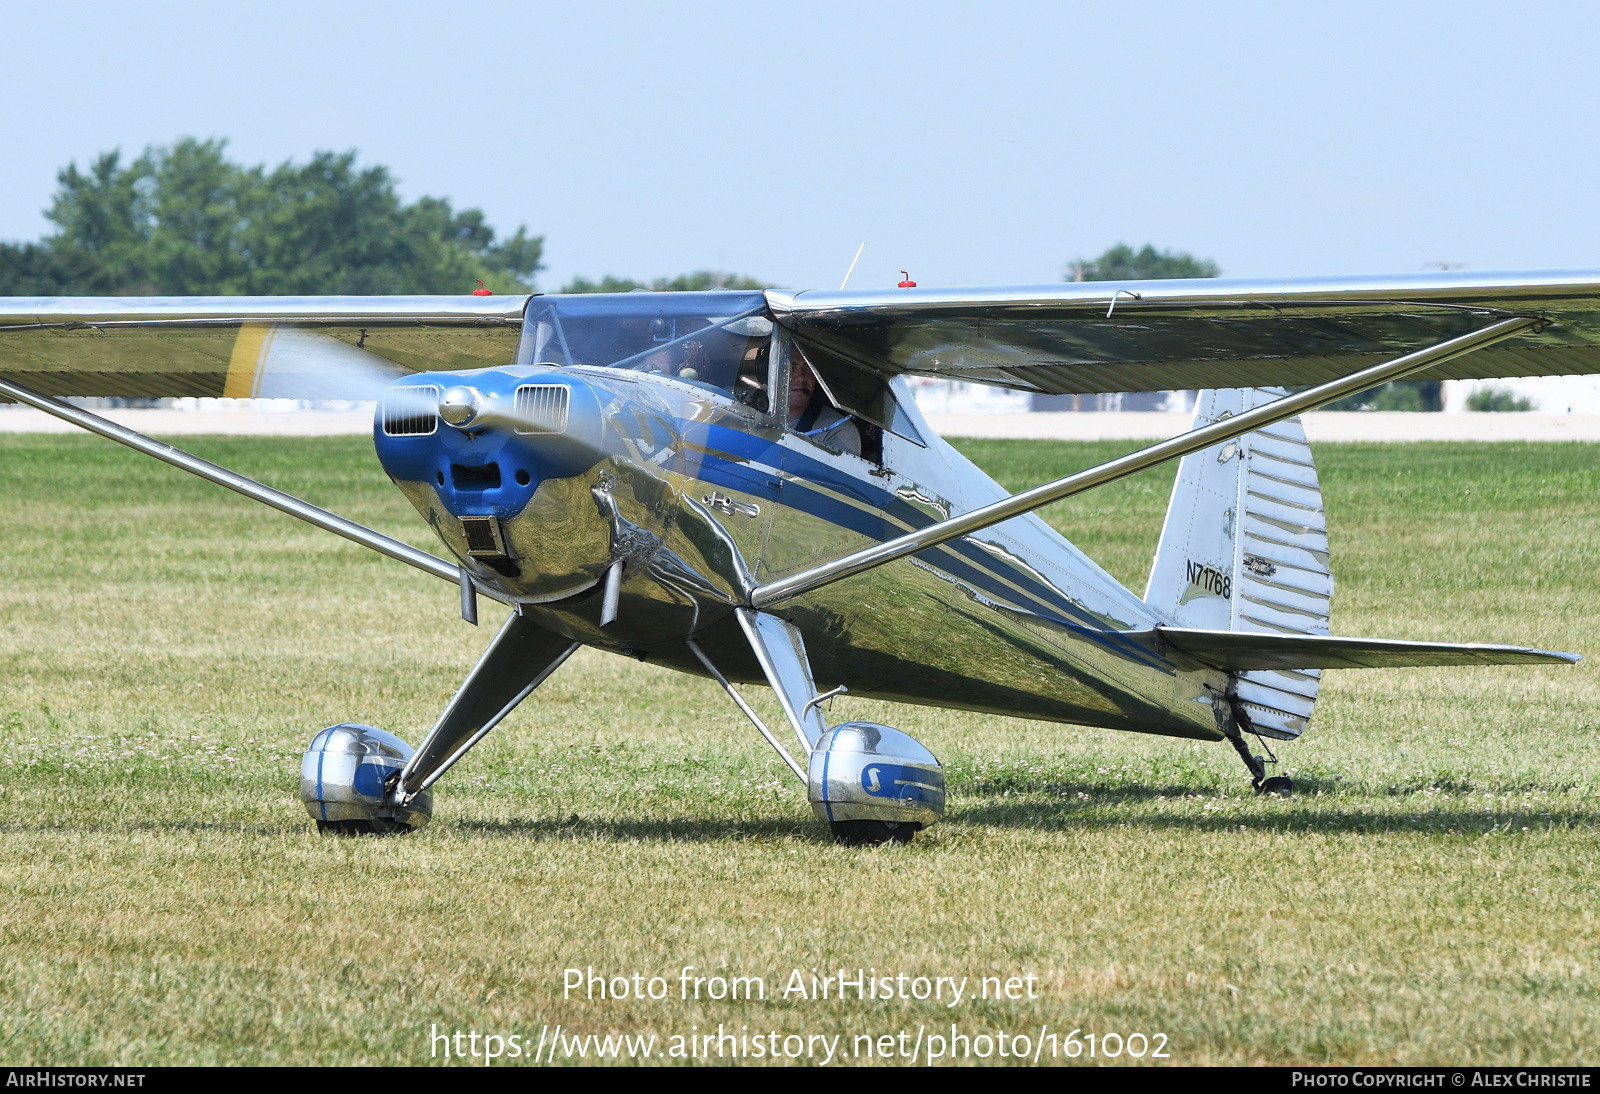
[1278, 784]
[872, 833]
[375, 827]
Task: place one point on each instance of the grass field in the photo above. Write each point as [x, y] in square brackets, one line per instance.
[167, 650]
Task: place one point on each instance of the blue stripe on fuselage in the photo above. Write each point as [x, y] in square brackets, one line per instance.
[726, 450]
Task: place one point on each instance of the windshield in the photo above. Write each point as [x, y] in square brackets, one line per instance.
[714, 340]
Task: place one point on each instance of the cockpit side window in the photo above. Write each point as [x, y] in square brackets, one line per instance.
[860, 392]
[814, 411]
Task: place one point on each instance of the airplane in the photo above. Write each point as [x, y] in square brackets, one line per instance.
[738, 485]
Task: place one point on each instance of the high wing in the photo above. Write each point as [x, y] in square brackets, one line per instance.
[1059, 339]
[1165, 335]
[336, 347]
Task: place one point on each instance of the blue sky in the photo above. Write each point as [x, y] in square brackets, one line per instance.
[970, 144]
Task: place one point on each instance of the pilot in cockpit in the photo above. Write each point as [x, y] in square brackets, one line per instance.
[813, 415]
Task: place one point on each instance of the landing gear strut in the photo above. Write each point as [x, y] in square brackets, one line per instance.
[1276, 784]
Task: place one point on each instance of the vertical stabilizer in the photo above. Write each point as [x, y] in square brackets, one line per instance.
[1245, 548]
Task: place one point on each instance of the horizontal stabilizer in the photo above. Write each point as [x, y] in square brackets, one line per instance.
[1239, 651]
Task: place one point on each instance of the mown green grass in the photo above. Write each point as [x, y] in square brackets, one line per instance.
[166, 650]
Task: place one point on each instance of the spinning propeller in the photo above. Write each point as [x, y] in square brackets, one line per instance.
[280, 362]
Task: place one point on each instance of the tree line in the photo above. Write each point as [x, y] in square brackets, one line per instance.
[187, 221]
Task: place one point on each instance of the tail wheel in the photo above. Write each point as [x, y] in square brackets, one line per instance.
[1278, 784]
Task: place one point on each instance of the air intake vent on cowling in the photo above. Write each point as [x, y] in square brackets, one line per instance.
[541, 408]
[484, 538]
[411, 411]
[482, 477]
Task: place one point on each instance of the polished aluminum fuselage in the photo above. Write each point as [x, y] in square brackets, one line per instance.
[703, 499]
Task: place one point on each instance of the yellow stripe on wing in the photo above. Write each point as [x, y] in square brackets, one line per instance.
[249, 358]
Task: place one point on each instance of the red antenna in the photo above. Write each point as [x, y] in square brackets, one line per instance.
[907, 283]
[482, 289]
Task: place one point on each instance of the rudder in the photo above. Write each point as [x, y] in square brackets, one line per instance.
[1245, 548]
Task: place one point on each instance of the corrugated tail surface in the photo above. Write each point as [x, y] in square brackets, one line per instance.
[1245, 548]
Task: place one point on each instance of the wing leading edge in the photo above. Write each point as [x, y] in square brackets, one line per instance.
[1162, 335]
[1240, 651]
[243, 346]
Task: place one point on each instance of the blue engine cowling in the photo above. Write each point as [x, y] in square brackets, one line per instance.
[866, 771]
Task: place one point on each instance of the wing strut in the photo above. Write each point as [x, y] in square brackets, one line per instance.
[1195, 440]
[250, 488]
